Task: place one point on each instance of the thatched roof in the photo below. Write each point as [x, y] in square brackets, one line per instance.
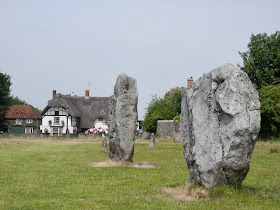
[87, 109]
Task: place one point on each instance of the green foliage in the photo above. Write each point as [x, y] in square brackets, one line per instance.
[274, 150]
[176, 118]
[5, 83]
[270, 109]
[16, 101]
[5, 98]
[163, 108]
[262, 60]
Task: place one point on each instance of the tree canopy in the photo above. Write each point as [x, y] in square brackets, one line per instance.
[262, 60]
[5, 98]
[166, 108]
[16, 101]
[270, 110]
[5, 83]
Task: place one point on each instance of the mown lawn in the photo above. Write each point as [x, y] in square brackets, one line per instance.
[56, 174]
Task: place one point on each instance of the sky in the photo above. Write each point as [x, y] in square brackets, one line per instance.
[75, 45]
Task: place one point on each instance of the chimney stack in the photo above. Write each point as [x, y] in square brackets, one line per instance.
[87, 94]
[190, 82]
[54, 93]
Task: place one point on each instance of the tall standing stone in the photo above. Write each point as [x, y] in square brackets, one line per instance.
[220, 121]
[123, 119]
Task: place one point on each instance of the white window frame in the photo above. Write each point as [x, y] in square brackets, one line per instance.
[29, 129]
[18, 121]
[29, 121]
[56, 120]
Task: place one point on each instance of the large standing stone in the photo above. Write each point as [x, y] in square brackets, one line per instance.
[123, 119]
[220, 121]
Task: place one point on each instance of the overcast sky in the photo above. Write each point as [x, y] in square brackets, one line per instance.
[65, 44]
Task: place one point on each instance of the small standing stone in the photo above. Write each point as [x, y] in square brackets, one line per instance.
[104, 147]
[152, 140]
[146, 135]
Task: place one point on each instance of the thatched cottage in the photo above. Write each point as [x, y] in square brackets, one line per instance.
[70, 113]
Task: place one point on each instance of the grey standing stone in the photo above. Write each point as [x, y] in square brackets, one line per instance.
[152, 140]
[146, 135]
[104, 147]
[122, 121]
[220, 121]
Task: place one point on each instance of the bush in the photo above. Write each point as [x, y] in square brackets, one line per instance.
[270, 110]
[163, 108]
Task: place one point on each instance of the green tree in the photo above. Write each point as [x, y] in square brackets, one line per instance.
[270, 110]
[16, 101]
[262, 60]
[167, 108]
[5, 83]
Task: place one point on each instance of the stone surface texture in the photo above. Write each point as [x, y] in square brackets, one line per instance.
[146, 135]
[167, 128]
[122, 121]
[152, 140]
[104, 147]
[220, 121]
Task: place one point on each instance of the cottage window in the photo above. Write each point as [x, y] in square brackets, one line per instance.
[56, 120]
[28, 130]
[102, 112]
[18, 122]
[29, 120]
[56, 111]
[55, 131]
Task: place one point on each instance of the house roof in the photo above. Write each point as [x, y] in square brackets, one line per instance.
[87, 109]
[22, 112]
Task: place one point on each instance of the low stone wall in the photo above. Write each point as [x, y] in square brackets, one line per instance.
[168, 128]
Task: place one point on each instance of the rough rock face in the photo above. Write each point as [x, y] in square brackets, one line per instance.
[220, 121]
[122, 121]
[104, 147]
[152, 140]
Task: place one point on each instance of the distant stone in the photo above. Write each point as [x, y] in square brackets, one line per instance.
[104, 147]
[220, 121]
[122, 121]
[146, 135]
[152, 140]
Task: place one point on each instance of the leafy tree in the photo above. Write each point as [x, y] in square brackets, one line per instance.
[5, 83]
[166, 108]
[262, 60]
[5, 98]
[270, 110]
[16, 101]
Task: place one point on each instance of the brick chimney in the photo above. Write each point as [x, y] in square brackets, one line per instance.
[190, 82]
[87, 94]
[54, 93]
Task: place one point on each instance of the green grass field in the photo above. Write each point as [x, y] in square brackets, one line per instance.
[57, 174]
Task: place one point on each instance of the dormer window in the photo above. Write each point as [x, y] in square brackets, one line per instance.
[29, 121]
